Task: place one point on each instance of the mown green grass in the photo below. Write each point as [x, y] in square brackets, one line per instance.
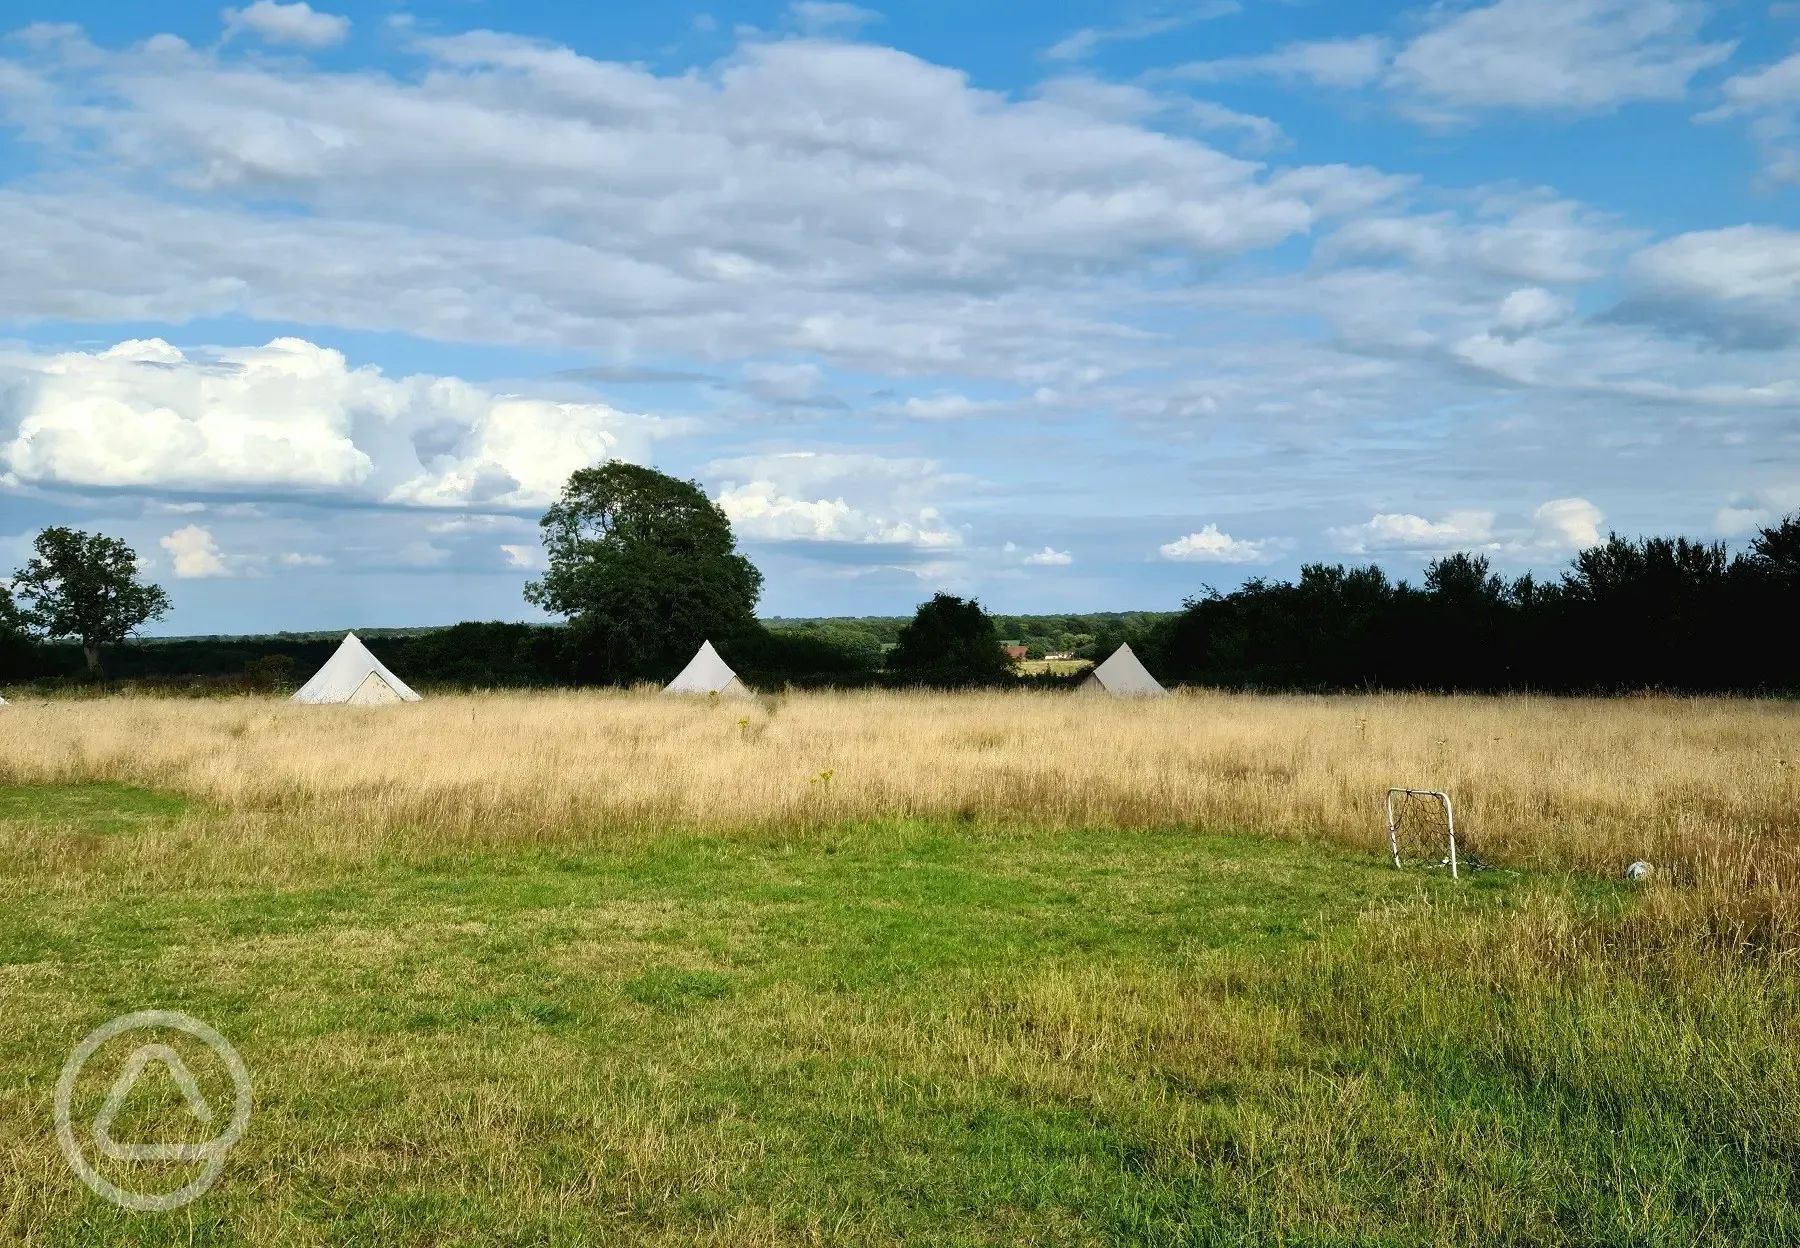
[919, 1033]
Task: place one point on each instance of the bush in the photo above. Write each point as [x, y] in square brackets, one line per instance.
[951, 643]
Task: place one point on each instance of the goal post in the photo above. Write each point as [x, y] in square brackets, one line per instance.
[1393, 823]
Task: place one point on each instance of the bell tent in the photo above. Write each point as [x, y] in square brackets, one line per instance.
[708, 673]
[355, 677]
[1123, 676]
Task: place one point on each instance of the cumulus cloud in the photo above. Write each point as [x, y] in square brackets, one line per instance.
[519, 556]
[1209, 545]
[1384, 531]
[804, 496]
[194, 553]
[1566, 523]
[141, 414]
[1049, 557]
[291, 416]
[1557, 526]
[297, 24]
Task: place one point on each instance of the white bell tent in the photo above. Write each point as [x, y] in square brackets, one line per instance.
[1124, 677]
[354, 677]
[706, 672]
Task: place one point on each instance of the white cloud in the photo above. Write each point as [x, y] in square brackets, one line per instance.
[1529, 309]
[141, 414]
[1533, 238]
[818, 17]
[1049, 557]
[1738, 286]
[1085, 42]
[1260, 133]
[802, 197]
[804, 496]
[292, 416]
[1209, 545]
[1560, 525]
[1342, 63]
[1563, 55]
[1769, 98]
[1534, 55]
[1567, 523]
[1460, 530]
[194, 553]
[298, 559]
[518, 556]
[1740, 521]
[297, 24]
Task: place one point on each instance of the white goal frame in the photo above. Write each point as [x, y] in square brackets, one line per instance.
[1394, 828]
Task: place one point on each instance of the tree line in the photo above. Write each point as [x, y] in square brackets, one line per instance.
[643, 567]
[1628, 614]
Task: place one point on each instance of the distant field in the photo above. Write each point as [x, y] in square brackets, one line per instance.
[861, 968]
[1052, 667]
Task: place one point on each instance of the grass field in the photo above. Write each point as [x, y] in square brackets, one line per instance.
[592, 968]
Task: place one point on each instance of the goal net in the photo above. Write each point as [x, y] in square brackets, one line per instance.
[1421, 829]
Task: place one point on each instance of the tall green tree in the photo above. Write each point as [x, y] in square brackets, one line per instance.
[645, 567]
[18, 655]
[85, 586]
[1775, 554]
[951, 642]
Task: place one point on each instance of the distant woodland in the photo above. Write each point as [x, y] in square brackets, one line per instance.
[1654, 613]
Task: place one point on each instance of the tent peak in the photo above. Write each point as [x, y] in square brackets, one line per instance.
[708, 672]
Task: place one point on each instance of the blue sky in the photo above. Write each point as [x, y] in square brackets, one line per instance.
[1073, 307]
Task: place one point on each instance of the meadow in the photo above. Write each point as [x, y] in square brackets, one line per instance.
[591, 967]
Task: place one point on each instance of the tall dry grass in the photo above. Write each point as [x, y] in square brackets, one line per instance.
[1704, 788]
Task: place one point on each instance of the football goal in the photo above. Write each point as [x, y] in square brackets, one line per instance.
[1421, 829]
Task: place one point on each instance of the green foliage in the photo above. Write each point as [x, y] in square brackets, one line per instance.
[270, 672]
[492, 655]
[19, 657]
[950, 643]
[804, 658]
[1656, 612]
[1775, 554]
[645, 567]
[86, 586]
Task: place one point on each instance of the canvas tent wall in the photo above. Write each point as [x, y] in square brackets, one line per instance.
[1123, 677]
[354, 677]
[705, 673]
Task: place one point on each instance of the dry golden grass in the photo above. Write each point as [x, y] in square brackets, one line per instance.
[1704, 788]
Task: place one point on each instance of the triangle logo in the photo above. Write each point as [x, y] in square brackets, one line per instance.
[132, 1071]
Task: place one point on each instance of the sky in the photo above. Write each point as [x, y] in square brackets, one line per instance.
[1072, 307]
